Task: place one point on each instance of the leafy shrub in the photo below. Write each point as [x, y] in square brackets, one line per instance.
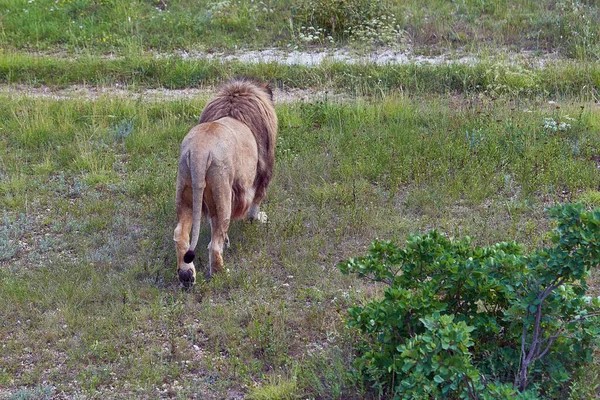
[369, 21]
[458, 320]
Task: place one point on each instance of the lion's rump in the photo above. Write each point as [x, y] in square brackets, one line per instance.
[251, 104]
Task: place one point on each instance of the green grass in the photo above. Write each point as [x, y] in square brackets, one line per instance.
[490, 76]
[89, 301]
[431, 26]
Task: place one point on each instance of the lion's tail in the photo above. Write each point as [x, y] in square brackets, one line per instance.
[198, 166]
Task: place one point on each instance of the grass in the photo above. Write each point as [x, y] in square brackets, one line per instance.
[431, 26]
[89, 302]
[89, 299]
[492, 76]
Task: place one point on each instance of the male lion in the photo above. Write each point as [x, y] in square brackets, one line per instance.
[225, 165]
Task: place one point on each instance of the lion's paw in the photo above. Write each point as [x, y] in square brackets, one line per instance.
[261, 217]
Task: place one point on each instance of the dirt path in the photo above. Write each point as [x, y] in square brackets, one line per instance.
[378, 57]
[90, 93]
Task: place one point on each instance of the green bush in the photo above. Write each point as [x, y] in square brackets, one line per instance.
[369, 21]
[464, 321]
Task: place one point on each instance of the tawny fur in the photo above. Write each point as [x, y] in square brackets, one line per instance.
[225, 166]
[253, 106]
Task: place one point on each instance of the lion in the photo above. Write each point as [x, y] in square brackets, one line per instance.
[225, 165]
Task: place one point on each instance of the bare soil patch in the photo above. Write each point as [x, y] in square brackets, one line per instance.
[90, 93]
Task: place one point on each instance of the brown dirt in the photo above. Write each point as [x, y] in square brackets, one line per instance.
[90, 93]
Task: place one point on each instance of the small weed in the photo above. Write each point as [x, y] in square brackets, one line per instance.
[563, 125]
[122, 129]
[5, 377]
[39, 393]
[278, 387]
[93, 377]
[10, 233]
[474, 138]
[381, 30]
[515, 80]
[312, 35]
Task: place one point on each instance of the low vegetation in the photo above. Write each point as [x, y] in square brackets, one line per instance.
[569, 27]
[90, 299]
[480, 322]
[89, 302]
[492, 76]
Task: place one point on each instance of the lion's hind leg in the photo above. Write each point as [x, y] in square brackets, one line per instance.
[219, 239]
[227, 241]
[219, 225]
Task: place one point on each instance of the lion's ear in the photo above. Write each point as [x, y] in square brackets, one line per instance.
[268, 89]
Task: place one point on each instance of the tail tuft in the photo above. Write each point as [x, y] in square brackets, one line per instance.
[189, 256]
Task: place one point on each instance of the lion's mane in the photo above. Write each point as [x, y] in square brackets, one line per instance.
[252, 104]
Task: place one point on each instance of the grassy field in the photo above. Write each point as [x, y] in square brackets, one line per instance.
[89, 301]
[432, 26]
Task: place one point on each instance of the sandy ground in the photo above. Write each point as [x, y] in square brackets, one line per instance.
[85, 92]
[348, 56]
